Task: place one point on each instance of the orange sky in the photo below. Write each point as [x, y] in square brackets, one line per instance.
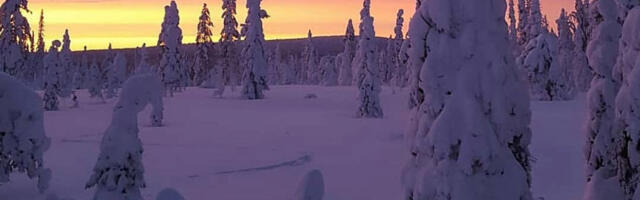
[129, 23]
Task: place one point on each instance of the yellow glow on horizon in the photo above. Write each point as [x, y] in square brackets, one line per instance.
[129, 23]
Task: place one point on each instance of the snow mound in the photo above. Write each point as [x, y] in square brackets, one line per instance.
[169, 194]
[311, 187]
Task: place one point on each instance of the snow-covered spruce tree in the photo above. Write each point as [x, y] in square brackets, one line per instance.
[231, 70]
[417, 47]
[38, 56]
[477, 144]
[118, 172]
[537, 56]
[602, 146]
[275, 66]
[329, 71]
[15, 34]
[80, 75]
[204, 44]
[367, 76]
[400, 66]
[22, 136]
[386, 62]
[67, 68]
[288, 72]
[523, 21]
[346, 57]
[143, 66]
[561, 85]
[627, 106]
[254, 79]
[170, 40]
[52, 86]
[312, 70]
[581, 72]
[116, 75]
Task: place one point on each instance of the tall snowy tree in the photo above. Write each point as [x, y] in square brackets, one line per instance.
[329, 73]
[367, 77]
[116, 75]
[523, 21]
[254, 78]
[118, 172]
[628, 106]
[472, 138]
[561, 85]
[311, 75]
[581, 72]
[38, 56]
[513, 30]
[417, 50]
[602, 146]
[204, 44]
[97, 79]
[400, 67]
[231, 70]
[22, 133]
[52, 76]
[15, 34]
[170, 40]
[67, 67]
[346, 57]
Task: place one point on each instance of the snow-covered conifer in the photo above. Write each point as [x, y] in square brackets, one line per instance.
[417, 54]
[311, 69]
[67, 67]
[22, 134]
[15, 34]
[523, 21]
[232, 72]
[602, 146]
[561, 85]
[329, 72]
[472, 134]
[143, 66]
[346, 57]
[170, 40]
[116, 75]
[255, 78]
[118, 172]
[400, 65]
[97, 79]
[367, 76]
[52, 85]
[204, 44]
[582, 74]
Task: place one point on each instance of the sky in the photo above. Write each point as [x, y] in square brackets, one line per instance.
[129, 23]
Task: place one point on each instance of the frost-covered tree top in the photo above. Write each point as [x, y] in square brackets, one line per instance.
[66, 42]
[230, 29]
[22, 132]
[399, 23]
[535, 19]
[204, 26]
[171, 34]
[365, 11]
[41, 44]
